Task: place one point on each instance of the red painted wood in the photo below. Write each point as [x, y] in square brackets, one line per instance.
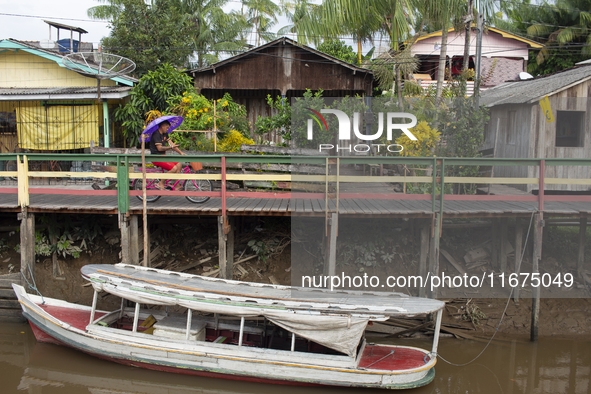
[401, 359]
[386, 196]
[541, 186]
[224, 188]
[566, 198]
[9, 190]
[494, 197]
[42, 336]
[74, 317]
[174, 193]
[76, 192]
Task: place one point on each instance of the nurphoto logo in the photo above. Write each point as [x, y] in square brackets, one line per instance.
[344, 130]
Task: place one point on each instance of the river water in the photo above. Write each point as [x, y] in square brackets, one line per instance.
[507, 366]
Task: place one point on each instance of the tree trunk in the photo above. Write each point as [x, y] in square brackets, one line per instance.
[359, 51]
[468, 30]
[399, 85]
[442, 61]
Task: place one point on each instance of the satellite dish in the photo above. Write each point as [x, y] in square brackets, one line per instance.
[47, 44]
[98, 65]
[524, 75]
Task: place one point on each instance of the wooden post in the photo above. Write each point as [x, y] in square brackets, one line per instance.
[434, 251]
[225, 271]
[125, 236]
[503, 245]
[518, 254]
[146, 262]
[134, 251]
[332, 244]
[537, 255]
[230, 248]
[53, 238]
[582, 236]
[423, 258]
[27, 245]
[495, 246]
[146, 237]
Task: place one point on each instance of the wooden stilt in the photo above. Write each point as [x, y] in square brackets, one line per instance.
[518, 253]
[503, 244]
[582, 237]
[125, 235]
[495, 246]
[537, 255]
[134, 251]
[27, 245]
[222, 255]
[332, 244]
[434, 251]
[423, 257]
[230, 249]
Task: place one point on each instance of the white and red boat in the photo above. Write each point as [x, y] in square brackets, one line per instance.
[237, 330]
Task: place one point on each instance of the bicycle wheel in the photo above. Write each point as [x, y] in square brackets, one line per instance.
[11, 166]
[137, 185]
[194, 185]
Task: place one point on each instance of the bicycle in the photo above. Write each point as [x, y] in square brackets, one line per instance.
[189, 185]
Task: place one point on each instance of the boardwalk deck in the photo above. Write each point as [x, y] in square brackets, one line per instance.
[178, 205]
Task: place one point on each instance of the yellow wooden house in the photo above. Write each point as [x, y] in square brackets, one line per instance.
[44, 106]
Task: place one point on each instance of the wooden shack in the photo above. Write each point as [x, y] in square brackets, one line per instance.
[280, 68]
[518, 126]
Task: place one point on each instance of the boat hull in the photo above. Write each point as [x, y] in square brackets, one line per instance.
[140, 351]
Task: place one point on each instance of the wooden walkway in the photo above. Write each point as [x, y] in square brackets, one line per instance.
[372, 207]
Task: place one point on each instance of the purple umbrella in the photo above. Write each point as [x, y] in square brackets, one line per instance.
[175, 121]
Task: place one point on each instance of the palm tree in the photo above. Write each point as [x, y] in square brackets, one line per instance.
[212, 29]
[262, 16]
[443, 14]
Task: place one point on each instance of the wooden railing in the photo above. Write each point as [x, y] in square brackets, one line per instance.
[331, 180]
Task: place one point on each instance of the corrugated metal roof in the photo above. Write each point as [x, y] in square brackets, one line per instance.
[532, 90]
[53, 55]
[107, 92]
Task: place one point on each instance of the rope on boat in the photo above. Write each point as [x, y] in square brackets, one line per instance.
[506, 305]
[34, 285]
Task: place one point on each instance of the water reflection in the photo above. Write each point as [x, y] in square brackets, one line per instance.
[511, 366]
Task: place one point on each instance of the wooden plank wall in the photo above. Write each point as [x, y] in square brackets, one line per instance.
[536, 138]
[512, 141]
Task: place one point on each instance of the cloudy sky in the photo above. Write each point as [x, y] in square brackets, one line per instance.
[23, 19]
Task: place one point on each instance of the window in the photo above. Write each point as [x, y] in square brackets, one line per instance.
[570, 128]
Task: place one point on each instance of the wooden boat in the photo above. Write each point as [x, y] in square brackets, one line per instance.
[237, 330]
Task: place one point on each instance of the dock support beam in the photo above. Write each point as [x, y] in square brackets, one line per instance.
[537, 255]
[434, 250]
[423, 258]
[134, 240]
[125, 238]
[226, 247]
[503, 245]
[333, 225]
[495, 246]
[27, 245]
[582, 236]
[518, 254]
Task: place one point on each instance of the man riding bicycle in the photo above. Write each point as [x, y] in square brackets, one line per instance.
[157, 147]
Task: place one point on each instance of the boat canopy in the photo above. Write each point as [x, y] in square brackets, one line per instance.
[336, 320]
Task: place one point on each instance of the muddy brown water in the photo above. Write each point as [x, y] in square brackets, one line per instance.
[507, 366]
